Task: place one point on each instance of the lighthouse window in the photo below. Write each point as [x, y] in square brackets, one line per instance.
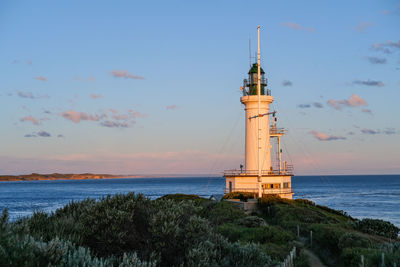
[286, 185]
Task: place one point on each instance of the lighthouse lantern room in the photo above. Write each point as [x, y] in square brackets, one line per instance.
[261, 176]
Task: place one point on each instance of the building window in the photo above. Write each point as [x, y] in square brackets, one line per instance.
[286, 185]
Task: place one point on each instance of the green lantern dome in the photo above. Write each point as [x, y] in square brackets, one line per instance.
[251, 83]
[254, 69]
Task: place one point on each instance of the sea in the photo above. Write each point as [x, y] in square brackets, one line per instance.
[361, 196]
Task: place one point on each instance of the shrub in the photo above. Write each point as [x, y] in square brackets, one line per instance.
[252, 221]
[239, 195]
[222, 212]
[378, 227]
[352, 240]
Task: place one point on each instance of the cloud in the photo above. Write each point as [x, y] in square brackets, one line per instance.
[369, 83]
[91, 78]
[31, 119]
[366, 110]
[317, 105]
[287, 83]
[389, 131]
[40, 78]
[353, 101]
[369, 131]
[376, 60]
[304, 106]
[80, 116]
[95, 96]
[114, 124]
[125, 74]
[30, 135]
[325, 137]
[30, 95]
[43, 134]
[362, 26]
[60, 136]
[172, 106]
[296, 27]
[389, 47]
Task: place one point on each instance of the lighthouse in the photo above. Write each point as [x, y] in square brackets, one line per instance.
[265, 173]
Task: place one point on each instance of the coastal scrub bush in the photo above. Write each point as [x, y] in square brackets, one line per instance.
[378, 227]
[252, 221]
[244, 196]
[222, 212]
[183, 197]
[353, 240]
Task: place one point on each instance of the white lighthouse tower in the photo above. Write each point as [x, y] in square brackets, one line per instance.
[261, 176]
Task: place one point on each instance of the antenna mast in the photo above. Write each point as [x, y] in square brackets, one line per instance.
[250, 51]
[259, 116]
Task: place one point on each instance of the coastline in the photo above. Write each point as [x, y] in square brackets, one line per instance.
[88, 176]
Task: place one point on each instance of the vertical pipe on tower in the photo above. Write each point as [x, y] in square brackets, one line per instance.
[258, 118]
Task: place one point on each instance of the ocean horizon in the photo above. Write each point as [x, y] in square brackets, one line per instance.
[360, 196]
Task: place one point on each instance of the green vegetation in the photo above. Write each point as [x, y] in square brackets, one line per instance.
[186, 230]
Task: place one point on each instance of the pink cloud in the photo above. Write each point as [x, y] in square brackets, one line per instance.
[125, 74]
[40, 78]
[362, 26]
[353, 101]
[297, 27]
[325, 137]
[172, 106]
[31, 119]
[80, 116]
[91, 79]
[95, 96]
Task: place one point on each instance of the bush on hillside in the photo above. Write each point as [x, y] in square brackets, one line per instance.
[244, 196]
[378, 227]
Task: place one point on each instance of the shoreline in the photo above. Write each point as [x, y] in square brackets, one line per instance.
[85, 176]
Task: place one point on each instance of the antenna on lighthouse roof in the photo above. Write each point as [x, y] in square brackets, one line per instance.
[250, 51]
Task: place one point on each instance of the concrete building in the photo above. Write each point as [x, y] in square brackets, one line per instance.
[261, 175]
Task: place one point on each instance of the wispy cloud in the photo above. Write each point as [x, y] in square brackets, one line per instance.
[388, 47]
[30, 135]
[389, 131]
[95, 96]
[353, 101]
[376, 60]
[317, 105]
[325, 137]
[80, 116]
[287, 83]
[366, 110]
[60, 136]
[30, 95]
[31, 119]
[369, 131]
[172, 106]
[362, 26]
[304, 106]
[43, 134]
[369, 83]
[125, 74]
[297, 27]
[91, 78]
[40, 78]
[114, 124]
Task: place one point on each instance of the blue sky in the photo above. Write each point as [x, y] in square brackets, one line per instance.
[140, 87]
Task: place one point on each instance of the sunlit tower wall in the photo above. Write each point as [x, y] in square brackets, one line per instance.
[257, 141]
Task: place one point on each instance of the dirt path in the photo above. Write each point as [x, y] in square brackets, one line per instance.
[314, 260]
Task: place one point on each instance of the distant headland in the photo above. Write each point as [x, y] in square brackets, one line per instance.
[64, 176]
[87, 176]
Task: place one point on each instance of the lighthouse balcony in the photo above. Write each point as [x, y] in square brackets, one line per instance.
[274, 172]
[275, 131]
[265, 191]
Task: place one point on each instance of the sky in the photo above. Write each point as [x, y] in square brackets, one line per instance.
[153, 87]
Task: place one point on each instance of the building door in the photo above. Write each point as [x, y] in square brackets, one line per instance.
[230, 187]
